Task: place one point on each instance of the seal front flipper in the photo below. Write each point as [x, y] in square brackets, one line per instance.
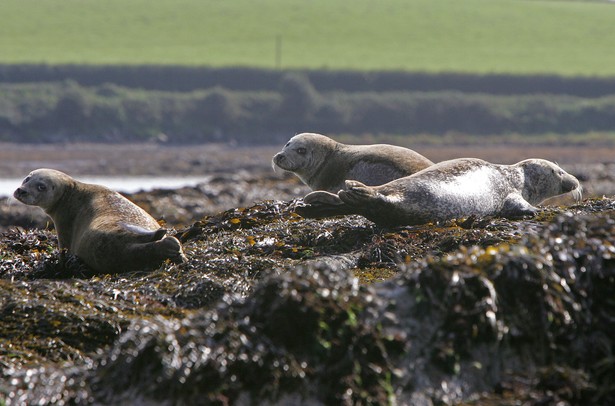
[515, 206]
[320, 204]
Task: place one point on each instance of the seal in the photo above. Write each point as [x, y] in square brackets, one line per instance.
[452, 189]
[104, 229]
[324, 164]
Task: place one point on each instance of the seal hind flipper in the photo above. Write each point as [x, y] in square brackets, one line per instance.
[171, 248]
[356, 193]
[320, 204]
[322, 197]
[159, 234]
[149, 255]
[145, 234]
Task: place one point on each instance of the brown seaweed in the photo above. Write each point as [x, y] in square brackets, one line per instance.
[269, 309]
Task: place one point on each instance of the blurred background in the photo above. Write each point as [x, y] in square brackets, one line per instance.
[199, 94]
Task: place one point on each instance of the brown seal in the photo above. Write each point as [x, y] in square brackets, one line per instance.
[324, 164]
[451, 189]
[101, 227]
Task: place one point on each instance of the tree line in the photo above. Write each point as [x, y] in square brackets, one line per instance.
[186, 78]
[68, 111]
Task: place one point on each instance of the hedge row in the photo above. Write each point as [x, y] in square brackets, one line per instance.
[181, 78]
[67, 111]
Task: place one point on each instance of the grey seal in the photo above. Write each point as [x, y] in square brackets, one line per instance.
[101, 227]
[451, 189]
[324, 164]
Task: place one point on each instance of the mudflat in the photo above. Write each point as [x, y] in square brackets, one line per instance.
[158, 160]
[240, 176]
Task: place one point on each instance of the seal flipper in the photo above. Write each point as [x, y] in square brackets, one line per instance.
[356, 193]
[159, 234]
[516, 206]
[145, 234]
[320, 204]
[148, 255]
[322, 197]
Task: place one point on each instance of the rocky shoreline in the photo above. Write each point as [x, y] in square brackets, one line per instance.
[225, 190]
[272, 308]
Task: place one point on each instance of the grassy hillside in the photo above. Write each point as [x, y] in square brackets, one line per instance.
[563, 37]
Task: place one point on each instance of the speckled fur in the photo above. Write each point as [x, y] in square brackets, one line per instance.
[451, 189]
[104, 229]
[326, 164]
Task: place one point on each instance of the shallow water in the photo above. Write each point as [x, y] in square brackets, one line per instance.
[120, 184]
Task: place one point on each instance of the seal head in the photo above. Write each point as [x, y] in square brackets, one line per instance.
[43, 188]
[543, 179]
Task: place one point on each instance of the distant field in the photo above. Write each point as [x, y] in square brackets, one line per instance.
[482, 36]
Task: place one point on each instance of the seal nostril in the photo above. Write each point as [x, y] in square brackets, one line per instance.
[19, 193]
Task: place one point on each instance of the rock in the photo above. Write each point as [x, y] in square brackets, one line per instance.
[265, 311]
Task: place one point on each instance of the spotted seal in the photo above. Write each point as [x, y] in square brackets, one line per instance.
[324, 164]
[451, 189]
[101, 227]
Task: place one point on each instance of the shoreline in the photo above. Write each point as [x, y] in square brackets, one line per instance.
[227, 176]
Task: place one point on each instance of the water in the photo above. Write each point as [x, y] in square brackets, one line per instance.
[120, 184]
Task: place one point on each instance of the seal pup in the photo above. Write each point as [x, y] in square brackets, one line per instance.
[324, 164]
[101, 227]
[451, 189]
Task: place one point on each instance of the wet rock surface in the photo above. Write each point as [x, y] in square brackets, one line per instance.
[273, 308]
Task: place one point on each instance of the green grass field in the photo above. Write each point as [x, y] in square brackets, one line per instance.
[511, 36]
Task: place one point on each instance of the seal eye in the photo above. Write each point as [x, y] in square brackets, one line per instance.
[41, 187]
[27, 179]
[301, 151]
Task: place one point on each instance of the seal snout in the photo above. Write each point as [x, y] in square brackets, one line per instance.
[280, 161]
[571, 184]
[279, 157]
[20, 193]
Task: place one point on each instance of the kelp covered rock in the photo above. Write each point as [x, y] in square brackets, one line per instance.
[302, 334]
[267, 309]
[531, 320]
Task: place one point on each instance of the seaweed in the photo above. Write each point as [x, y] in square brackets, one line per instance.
[274, 308]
